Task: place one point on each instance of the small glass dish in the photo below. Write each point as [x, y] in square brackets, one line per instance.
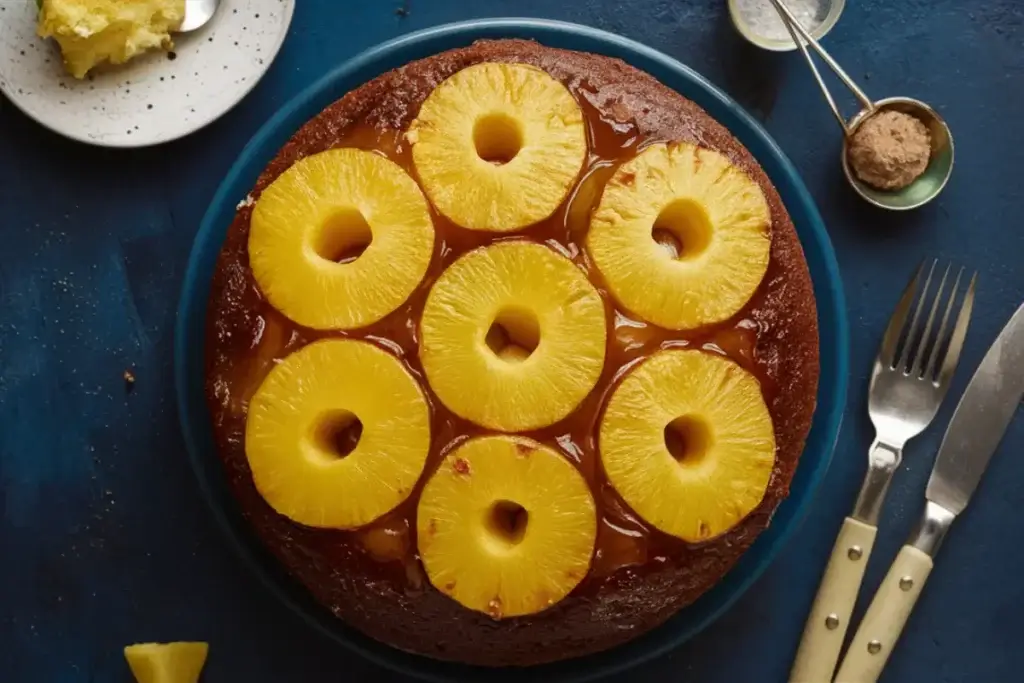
[787, 44]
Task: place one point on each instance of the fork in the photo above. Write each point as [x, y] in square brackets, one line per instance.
[910, 377]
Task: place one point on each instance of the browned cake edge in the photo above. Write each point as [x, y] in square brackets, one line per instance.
[629, 604]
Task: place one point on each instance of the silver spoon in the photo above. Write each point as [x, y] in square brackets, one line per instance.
[940, 164]
[197, 14]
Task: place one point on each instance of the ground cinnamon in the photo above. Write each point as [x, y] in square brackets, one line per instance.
[890, 150]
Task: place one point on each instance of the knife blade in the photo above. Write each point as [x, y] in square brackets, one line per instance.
[980, 420]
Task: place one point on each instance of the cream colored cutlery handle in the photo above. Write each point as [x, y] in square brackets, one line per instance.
[885, 618]
[830, 615]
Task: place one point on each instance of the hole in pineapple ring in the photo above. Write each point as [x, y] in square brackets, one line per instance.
[343, 237]
[336, 433]
[683, 229]
[688, 439]
[514, 334]
[497, 137]
[506, 522]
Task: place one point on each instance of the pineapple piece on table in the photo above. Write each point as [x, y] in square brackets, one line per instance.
[506, 526]
[337, 434]
[498, 146]
[687, 441]
[166, 662]
[513, 336]
[90, 32]
[681, 236]
[340, 239]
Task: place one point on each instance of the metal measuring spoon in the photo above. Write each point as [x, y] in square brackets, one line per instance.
[940, 163]
[197, 14]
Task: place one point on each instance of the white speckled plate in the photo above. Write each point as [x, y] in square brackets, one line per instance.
[152, 99]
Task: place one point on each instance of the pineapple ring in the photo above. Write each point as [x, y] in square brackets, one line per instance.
[681, 236]
[506, 526]
[553, 315]
[303, 406]
[687, 441]
[310, 223]
[498, 146]
[179, 662]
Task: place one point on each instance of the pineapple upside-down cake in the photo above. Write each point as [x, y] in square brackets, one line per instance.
[512, 354]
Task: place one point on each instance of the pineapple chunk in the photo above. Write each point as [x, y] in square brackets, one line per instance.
[166, 662]
[506, 526]
[90, 32]
[498, 146]
[687, 441]
[681, 236]
[513, 336]
[337, 434]
[340, 239]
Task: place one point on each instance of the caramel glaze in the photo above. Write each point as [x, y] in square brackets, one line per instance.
[372, 577]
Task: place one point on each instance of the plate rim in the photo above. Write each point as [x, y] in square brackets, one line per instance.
[828, 287]
[13, 97]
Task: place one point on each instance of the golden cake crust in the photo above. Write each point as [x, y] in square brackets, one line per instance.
[396, 604]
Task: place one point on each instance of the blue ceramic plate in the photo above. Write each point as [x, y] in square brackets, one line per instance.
[189, 341]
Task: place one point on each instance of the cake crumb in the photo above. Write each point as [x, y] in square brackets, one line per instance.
[524, 449]
[129, 380]
[890, 150]
[245, 203]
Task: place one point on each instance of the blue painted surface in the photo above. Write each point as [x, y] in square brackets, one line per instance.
[105, 539]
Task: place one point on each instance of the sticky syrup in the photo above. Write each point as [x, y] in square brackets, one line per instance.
[624, 541]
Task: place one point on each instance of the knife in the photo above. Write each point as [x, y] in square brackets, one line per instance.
[974, 433]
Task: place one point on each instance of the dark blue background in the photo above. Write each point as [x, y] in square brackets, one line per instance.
[105, 540]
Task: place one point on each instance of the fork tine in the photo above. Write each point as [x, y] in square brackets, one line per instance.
[922, 345]
[929, 371]
[956, 340]
[906, 355]
[891, 338]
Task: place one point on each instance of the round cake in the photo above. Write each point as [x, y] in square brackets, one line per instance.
[511, 354]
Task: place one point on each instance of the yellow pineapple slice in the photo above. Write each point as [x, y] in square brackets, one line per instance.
[166, 662]
[506, 526]
[687, 441]
[513, 336]
[498, 146]
[340, 239]
[681, 236]
[337, 434]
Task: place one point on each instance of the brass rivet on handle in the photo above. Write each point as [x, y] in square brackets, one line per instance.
[906, 583]
[854, 553]
[832, 622]
[874, 647]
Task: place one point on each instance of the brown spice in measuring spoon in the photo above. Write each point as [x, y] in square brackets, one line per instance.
[890, 150]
